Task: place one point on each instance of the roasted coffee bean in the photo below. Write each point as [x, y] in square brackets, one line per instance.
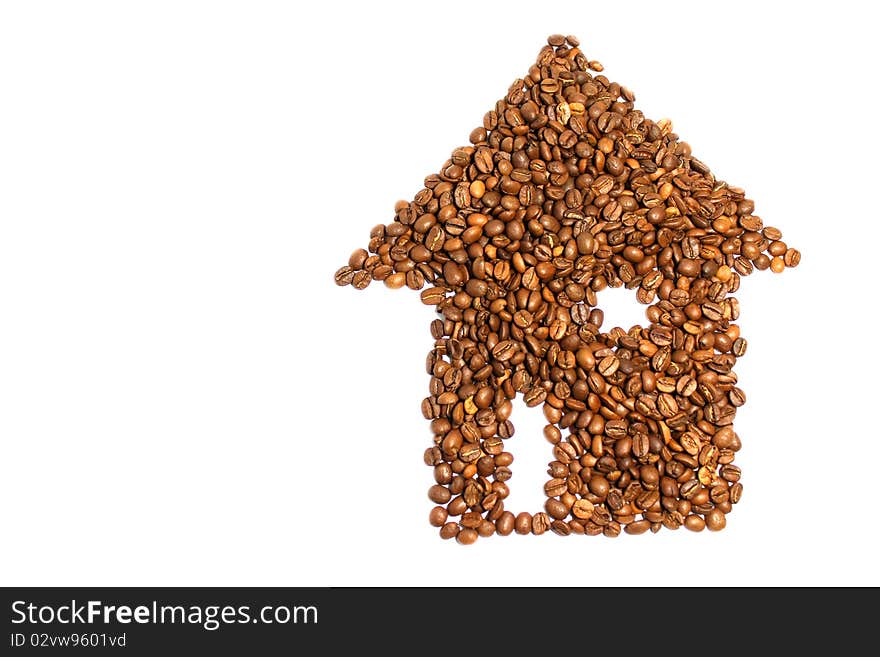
[715, 520]
[637, 527]
[736, 493]
[467, 536]
[360, 279]
[433, 296]
[534, 396]
[647, 499]
[443, 473]
[719, 494]
[560, 528]
[504, 524]
[737, 397]
[599, 486]
[608, 366]
[471, 519]
[555, 508]
[688, 489]
[344, 275]
[541, 523]
[438, 516]
[555, 487]
[439, 494]
[565, 190]
[486, 528]
[470, 452]
[522, 318]
[730, 473]
[582, 509]
[695, 523]
[504, 350]
[523, 523]
[449, 530]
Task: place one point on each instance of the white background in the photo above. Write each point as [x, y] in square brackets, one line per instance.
[186, 398]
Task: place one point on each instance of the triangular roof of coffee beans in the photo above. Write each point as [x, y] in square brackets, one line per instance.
[565, 189]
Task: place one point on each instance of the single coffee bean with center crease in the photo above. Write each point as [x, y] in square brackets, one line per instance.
[344, 275]
[582, 509]
[486, 529]
[555, 487]
[736, 493]
[433, 295]
[540, 523]
[560, 528]
[361, 279]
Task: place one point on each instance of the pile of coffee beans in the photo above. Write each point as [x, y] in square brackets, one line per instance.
[564, 190]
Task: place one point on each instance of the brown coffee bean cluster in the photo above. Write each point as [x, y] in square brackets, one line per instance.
[567, 189]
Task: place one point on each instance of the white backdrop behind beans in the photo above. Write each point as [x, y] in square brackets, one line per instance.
[187, 398]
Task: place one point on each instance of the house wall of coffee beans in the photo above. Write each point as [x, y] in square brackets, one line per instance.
[565, 189]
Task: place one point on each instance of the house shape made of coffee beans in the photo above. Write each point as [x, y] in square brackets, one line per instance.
[566, 188]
